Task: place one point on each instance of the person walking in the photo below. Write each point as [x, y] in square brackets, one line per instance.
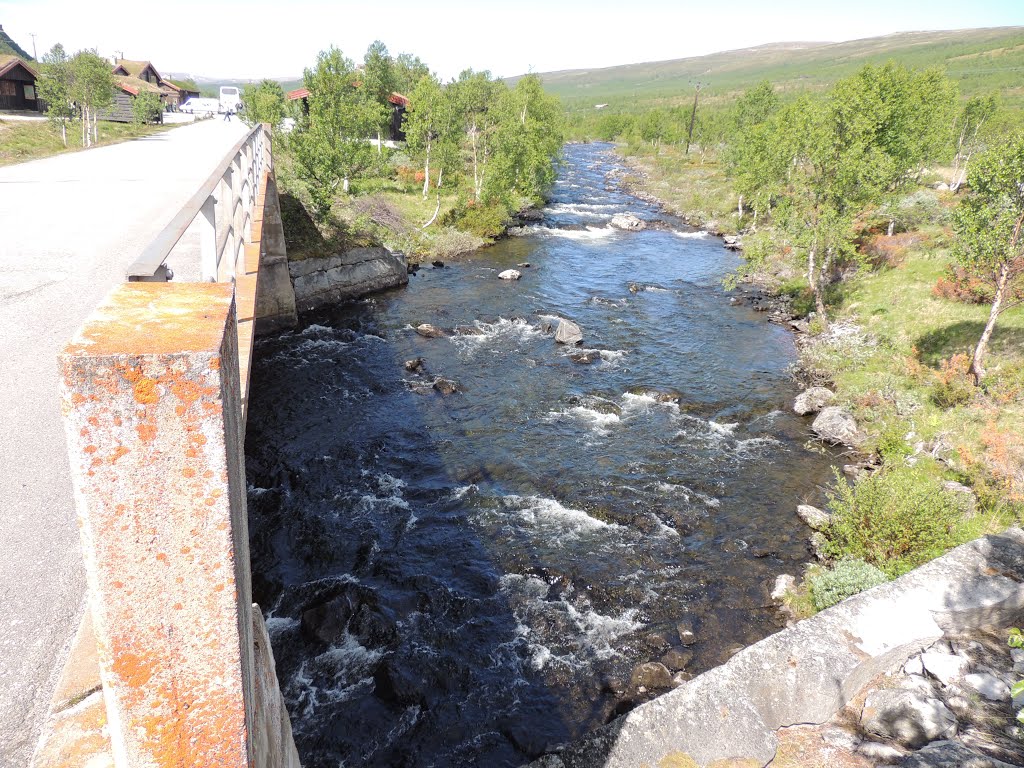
[227, 114]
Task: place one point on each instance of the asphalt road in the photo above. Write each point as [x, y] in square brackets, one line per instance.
[69, 226]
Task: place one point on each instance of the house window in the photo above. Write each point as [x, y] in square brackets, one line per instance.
[30, 92]
[7, 88]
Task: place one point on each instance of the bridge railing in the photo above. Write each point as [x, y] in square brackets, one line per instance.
[221, 210]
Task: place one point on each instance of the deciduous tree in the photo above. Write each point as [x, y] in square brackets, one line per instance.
[263, 103]
[55, 89]
[92, 89]
[988, 224]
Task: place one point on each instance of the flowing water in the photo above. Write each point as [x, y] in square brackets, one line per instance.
[472, 579]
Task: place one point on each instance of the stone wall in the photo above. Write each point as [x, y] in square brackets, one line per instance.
[348, 275]
[275, 298]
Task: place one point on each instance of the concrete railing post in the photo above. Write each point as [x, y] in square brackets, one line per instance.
[207, 222]
[150, 395]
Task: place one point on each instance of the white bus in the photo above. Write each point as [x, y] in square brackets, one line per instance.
[230, 99]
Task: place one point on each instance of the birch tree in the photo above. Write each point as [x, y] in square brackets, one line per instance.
[970, 121]
[989, 242]
[55, 89]
[92, 89]
[378, 85]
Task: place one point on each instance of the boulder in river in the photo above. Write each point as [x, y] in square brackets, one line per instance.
[429, 331]
[585, 357]
[568, 332]
[837, 426]
[415, 365]
[510, 274]
[446, 386]
[812, 400]
[524, 265]
[437, 264]
[628, 222]
[651, 676]
[816, 518]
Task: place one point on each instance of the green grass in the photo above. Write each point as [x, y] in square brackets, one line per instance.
[979, 60]
[21, 141]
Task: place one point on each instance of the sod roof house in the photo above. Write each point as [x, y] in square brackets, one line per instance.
[17, 84]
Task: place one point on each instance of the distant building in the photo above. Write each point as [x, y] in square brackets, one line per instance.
[399, 104]
[125, 91]
[17, 84]
[128, 72]
[183, 90]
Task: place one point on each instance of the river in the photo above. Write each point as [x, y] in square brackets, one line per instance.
[475, 578]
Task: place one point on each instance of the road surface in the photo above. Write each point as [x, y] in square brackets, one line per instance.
[69, 226]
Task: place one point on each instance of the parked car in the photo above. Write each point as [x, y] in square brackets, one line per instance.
[196, 105]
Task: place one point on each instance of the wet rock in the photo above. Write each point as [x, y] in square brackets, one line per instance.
[510, 274]
[634, 287]
[651, 676]
[783, 584]
[733, 242]
[681, 677]
[812, 400]
[446, 386]
[428, 331]
[628, 222]
[988, 686]
[524, 265]
[437, 264]
[415, 365]
[817, 519]
[354, 610]
[468, 330]
[677, 659]
[944, 667]
[585, 358]
[412, 269]
[907, 717]
[568, 332]
[531, 214]
[837, 426]
[686, 629]
[950, 754]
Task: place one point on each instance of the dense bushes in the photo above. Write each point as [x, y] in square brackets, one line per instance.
[896, 519]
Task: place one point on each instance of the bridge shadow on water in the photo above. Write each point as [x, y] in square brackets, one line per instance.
[395, 644]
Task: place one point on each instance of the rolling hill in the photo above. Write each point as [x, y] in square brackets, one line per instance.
[979, 59]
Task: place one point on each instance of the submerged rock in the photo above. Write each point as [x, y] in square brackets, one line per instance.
[585, 358]
[568, 332]
[510, 274]
[415, 365]
[437, 264]
[651, 676]
[812, 400]
[628, 222]
[429, 331]
[837, 426]
[907, 717]
[783, 584]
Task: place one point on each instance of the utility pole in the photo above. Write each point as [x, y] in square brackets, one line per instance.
[693, 118]
[34, 54]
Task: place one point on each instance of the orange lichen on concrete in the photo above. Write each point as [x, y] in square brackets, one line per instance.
[155, 371]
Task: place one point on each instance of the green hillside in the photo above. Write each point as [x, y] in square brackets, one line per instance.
[8, 46]
[979, 59]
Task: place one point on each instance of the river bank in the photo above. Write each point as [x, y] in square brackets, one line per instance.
[893, 360]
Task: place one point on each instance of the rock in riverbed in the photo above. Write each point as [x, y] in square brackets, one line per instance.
[815, 518]
[510, 274]
[568, 332]
[415, 365]
[812, 400]
[446, 386]
[628, 222]
[834, 425]
[429, 331]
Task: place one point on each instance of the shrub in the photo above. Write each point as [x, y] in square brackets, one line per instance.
[953, 385]
[890, 250]
[895, 519]
[847, 577]
[481, 220]
[892, 442]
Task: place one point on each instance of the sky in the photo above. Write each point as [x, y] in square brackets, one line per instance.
[254, 39]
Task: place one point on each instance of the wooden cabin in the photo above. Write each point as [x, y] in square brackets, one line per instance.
[125, 90]
[177, 92]
[17, 84]
[171, 93]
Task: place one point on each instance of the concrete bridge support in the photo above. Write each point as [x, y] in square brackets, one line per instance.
[152, 407]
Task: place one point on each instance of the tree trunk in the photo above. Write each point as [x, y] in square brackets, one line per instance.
[977, 368]
[476, 175]
[440, 175]
[426, 173]
[64, 131]
[892, 225]
[85, 130]
[380, 144]
[739, 207]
